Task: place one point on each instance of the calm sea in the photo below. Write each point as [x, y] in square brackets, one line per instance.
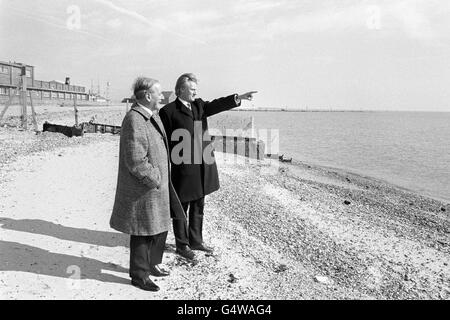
[409, 149]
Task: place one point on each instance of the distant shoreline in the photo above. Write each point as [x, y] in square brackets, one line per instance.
[344, 172]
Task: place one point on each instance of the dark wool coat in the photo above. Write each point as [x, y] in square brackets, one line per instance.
[196, 179]
[145, 198]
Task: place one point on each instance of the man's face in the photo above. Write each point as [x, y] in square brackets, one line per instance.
[189, 92]
[156, 95]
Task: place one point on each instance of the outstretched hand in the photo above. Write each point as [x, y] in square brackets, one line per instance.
[247, 96]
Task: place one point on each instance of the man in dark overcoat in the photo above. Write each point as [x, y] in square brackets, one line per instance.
[194, 171]
[145, 197]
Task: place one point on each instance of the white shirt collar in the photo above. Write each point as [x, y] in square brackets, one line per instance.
[146, 109]
[187, 104]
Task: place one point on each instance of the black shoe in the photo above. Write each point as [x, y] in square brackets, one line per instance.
[186, 252]
[203, 247]
[158, 272]
[145, 284]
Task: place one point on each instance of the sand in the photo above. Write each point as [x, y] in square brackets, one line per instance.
[280, 231]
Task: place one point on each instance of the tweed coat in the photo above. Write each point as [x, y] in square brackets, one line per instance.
[194, 180]
[145, 198]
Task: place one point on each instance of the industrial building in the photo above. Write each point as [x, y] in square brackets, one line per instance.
[40, 91]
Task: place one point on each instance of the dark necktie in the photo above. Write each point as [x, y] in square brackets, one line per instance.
[188, 105]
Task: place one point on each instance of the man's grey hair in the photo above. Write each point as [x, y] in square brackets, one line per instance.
[141, 85]
[181, 82]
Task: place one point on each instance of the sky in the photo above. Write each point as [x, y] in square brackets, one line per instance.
[346, 54]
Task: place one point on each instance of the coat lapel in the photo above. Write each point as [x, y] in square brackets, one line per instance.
[194, 111]
[155, 122]
[183, 108]
[158, 125]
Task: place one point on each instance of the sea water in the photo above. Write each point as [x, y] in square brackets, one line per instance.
[408, 149]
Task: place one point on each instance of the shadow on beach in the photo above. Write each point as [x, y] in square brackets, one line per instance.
[99, 238]
[19, 257]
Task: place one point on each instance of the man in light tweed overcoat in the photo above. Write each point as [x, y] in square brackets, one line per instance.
[145, 198]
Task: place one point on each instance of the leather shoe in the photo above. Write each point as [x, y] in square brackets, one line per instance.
[158, 272]
[145, 284]
[186, 252]
[203, 247]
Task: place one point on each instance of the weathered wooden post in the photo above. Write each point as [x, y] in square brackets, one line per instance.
[7, 105]
[75, 109]
[33, 113]
[23, 95]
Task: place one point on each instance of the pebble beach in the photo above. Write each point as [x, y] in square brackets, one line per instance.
[283, 231]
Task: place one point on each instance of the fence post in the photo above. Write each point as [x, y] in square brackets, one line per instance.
[75, 109]
[24, 99]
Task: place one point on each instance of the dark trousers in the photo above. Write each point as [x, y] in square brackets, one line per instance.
[144, 252]
[190, 231]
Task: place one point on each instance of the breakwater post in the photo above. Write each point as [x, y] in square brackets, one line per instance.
[242, 146]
